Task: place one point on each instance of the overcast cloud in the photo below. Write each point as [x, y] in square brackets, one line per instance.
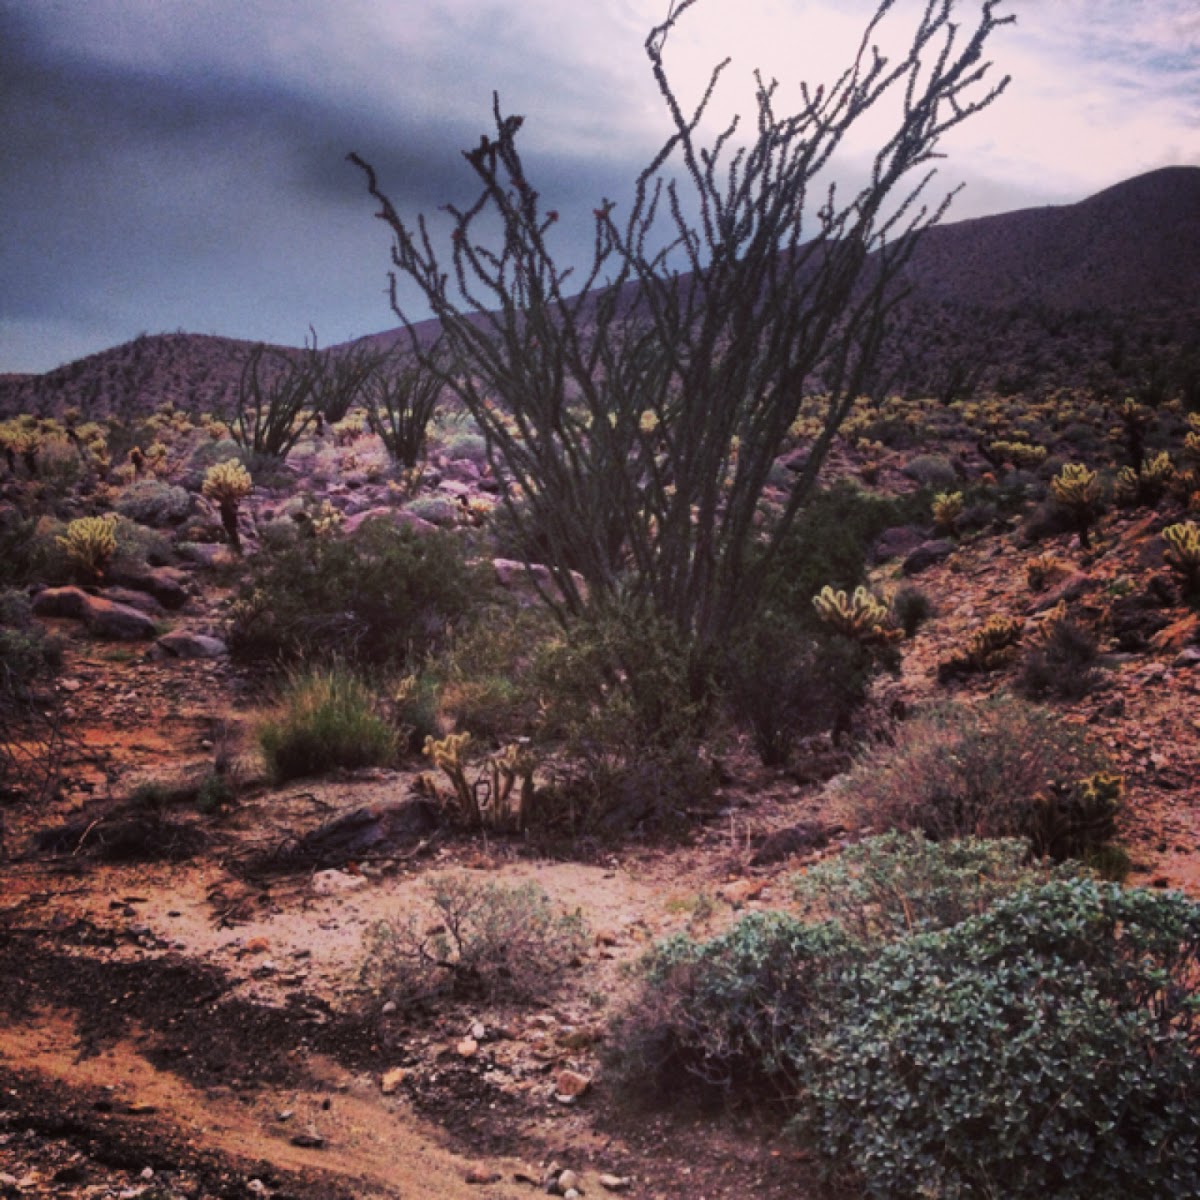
[180, 164]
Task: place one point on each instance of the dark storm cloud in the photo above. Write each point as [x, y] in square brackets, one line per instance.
[135, 191]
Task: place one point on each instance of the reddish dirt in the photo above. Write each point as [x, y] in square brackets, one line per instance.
[190, 1018]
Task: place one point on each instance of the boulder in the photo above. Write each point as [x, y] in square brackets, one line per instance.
[897, 542]
[183, 644]
[165, 584]
[70, 602]
[926, 555]
[103, 617]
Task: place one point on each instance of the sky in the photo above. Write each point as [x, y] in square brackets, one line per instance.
[176, 165]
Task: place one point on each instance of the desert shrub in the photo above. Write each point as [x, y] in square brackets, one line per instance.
[31, 739]
[327, 719]
[1061, 662]
[380, 597]
[437, 510]
[1001, 768]
[139, 546]
[475, 938]
[911, 608]
[1045, 1048]
[729, 1012]
[831, 545]
[898, 884]
[470, 446]
[932, 471]
[154, 503]
[623, 695]
[787, 682]
[18, 548]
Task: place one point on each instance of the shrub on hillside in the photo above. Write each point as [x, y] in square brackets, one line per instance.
[378, 597]
[327, 719]
[1045, 1048]
[154, 503]
[621, 694]
[1002, 768]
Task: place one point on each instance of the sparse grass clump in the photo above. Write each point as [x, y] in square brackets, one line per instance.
[327, 719]
[473, 939]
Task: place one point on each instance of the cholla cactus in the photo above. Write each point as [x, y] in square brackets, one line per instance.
[990, 646]
[327, 520]
[1183, 552]
[90, 543]
[511, 795]
[860, 616]
[947, 508]
[447, 755]
[1078, 490]
[1147, 484]
[228, 484]
[1020, 454]
[1040, 570]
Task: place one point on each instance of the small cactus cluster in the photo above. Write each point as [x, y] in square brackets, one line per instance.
[990, 646]
[228, 484]
[860, 616]
[1070, 819]
[947, 508]
[1021, 454]
[1147, 484]
[1041, 569]
[502, 797]
[90, 543]
[1078, 490]
[1183, 552]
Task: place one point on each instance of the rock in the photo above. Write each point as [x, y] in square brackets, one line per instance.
[396, 516]
[740, 891]
[1188, 658]
[479, 1031]
[467, 1048]
[335, 883]
[204, 554]
[165, 584]
[391, 1080]
[926, 555]
[365, 830]
[104, 618]
[783, 843]
[69, 602]
[616, 1183]
[567, 1182]
[142, 601]
[570, 1085]
[1178, 635]
[308, 1141]
[525, 581]
[117, 622]
[1070, 589]
[897, 542]
[481, 1175]
[182, 644]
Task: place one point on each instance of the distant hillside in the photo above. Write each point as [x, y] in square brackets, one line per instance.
[1104, 293]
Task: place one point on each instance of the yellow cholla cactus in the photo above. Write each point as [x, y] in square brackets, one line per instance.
[1147, 484]
[1020, 454]
[1076, 486]
[988, 647]
[447, 755]
[327, 520]
[227, 482]
[90, 543]
[1183, 552]
[860, 616]
[947, 508]
[1043, 568]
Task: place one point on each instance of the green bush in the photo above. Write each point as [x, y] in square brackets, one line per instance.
[788, 682]
[1046, 1048]
[729, 1012]
[474, 939]
[898, 884]
[1001, 768]
[911, 608]
[154, 503]
[383, 596]
[1062, 664]
[622, 695]
[327, 719]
